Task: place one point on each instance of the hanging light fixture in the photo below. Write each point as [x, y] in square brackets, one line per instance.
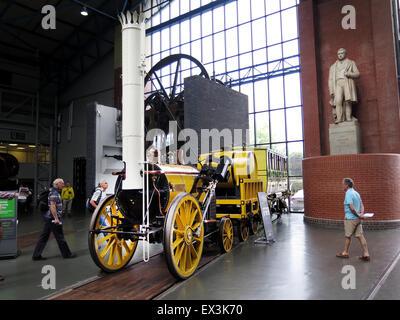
[84, 12]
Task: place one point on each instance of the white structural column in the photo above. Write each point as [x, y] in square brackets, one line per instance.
[133, 68]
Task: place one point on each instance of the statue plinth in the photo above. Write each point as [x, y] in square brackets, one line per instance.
[345, 138]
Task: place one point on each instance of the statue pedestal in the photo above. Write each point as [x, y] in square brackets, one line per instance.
[345, 138]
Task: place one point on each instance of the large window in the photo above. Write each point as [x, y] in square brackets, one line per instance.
[254, 46]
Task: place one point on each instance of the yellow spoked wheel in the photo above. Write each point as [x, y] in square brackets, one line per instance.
[226, 234]
[183, 236]
[110, 252]
[244, 230]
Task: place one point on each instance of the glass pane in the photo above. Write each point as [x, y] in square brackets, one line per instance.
[272, 6]
[295, 150]
[165, 14]
[275, 52]
[231, 42]
[232, 64]
[251, 129]
[175, 35]
[194, 4]
[277, 126]
[155, 42]
[261, 95]
[291, 48]
[247, 89]
[219, 46]
[185, 49]
[287, 3]
[273, 29]
[289, 24]
[195, 28]
[184, 6]
[246, 62]
[207, 50]
[218, 16]
[257, 9]
[244, 11]
[196, 50]
[297, 199]
[244, 38]
[279, 147]
[259, 57]
[231, 14]
[292, 90]
[174, 8]
[185, 31]
[165, 43]
[206, 19]
[276, 100]
[262, 127]
[259, 40]
[219, 68]
[294, 124]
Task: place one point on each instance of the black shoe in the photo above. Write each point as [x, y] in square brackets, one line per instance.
[73, 255]
[38, 258]
[1, 278]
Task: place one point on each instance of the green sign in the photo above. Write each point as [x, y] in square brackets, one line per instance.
[7, 208]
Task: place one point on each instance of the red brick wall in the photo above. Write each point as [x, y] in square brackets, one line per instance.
[376, 178]
[371, 46]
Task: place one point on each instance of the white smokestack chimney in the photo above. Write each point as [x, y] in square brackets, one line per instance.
[133, 68]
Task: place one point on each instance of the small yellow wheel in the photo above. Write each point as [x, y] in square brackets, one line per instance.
[109, 251]
[183, 236]
[226, 234]
[244, 230]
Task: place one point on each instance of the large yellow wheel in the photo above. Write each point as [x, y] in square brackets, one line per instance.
[110, 252]
[183, 236]
[226, 234]
[244, 230]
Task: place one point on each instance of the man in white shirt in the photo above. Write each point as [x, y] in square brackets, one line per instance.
[99, 194]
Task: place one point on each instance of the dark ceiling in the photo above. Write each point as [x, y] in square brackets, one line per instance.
[67, 52]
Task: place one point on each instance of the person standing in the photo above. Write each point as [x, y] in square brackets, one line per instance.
[53, 224]
[99, 194]
[354, 211]
[67, 196]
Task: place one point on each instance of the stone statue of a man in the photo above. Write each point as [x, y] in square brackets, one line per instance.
[342, 88]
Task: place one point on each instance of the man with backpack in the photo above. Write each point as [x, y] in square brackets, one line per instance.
[98, 195]
[53, 224]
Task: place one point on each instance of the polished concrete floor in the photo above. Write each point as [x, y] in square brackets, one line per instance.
[301, 264]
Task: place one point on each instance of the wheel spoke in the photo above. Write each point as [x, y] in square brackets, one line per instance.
[188, 258]
[119, 255]
[193, 251]
[182, 215]
[177, 242]
[178, 254]
[175, 79]
[107, 248]
[179, 222]
[111, 257]
[125, 245]
[161, 86]
[104, 238]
